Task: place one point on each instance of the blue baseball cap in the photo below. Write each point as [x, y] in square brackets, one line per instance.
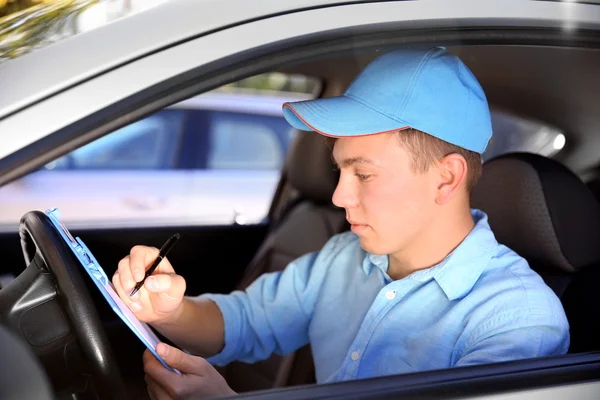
[429, 90]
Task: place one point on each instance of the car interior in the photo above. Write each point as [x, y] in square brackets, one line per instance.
[545, 209]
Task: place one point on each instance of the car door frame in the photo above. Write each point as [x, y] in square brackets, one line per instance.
[573, 375]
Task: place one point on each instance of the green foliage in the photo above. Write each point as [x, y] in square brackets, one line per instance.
[34, 26]
[277, 82]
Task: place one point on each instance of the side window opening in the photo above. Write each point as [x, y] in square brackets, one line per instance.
[175, 166]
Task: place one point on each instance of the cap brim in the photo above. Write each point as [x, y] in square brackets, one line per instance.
[339, 116]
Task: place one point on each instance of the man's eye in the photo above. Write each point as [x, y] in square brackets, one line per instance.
[363, 177]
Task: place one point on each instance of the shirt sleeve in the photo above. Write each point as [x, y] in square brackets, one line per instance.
[526, 337]
[273, 314]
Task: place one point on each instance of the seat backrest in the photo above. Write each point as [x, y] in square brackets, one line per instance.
[305, 226]
[544, 212]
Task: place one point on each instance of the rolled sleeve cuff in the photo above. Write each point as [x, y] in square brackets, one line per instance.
[232, 328]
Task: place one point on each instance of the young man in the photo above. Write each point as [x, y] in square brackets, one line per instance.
[420, 283]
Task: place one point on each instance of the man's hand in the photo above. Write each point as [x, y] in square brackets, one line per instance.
[198, 379]
[160, 299]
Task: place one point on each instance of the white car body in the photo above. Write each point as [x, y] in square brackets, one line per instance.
[68, 86]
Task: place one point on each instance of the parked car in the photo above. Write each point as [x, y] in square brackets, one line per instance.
[212, 159]
[537, 62]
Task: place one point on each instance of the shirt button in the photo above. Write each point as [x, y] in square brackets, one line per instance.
[390, 294]
[354, 356]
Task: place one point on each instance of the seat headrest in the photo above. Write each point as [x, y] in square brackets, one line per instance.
[541, 210]
[310, 169]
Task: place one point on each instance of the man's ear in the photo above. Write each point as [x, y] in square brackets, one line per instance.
[452, 177]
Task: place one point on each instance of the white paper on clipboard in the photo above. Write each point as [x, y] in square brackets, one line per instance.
[95, 271]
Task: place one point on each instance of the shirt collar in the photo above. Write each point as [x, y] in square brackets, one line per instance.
[459, 271]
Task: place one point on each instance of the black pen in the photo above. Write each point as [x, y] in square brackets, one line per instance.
[161, 254]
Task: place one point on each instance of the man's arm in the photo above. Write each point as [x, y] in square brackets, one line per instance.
[273, 314]
[270, 316]
[197, 327]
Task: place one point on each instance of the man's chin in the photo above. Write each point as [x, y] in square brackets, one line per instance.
[372, 248]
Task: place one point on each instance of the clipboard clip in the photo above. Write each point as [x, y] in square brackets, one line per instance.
[93, 266]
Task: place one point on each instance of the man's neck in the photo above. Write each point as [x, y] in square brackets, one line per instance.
[430, 247]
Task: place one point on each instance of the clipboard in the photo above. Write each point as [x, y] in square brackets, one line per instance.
[96, 273]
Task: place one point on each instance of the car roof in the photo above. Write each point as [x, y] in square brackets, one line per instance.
[80, 57]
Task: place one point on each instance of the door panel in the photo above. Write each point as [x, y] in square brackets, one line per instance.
[210, 258]
[228, 196]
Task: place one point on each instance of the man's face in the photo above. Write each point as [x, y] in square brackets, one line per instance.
[388, 204]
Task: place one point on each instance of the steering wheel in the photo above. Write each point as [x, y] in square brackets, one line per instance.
[50, 307]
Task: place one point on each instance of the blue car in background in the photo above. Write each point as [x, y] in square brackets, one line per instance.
[211, 159]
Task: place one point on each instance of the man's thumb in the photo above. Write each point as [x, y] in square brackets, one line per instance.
[176, 358]
[158, 283]
[172, 285]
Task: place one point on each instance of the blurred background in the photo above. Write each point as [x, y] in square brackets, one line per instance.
[27, 24]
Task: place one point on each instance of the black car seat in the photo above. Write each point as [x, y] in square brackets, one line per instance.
[544, 212]
[594, 186]
[305, 225]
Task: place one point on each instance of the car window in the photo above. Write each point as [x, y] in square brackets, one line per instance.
[243, 141]
[212, 159]
[151, 143]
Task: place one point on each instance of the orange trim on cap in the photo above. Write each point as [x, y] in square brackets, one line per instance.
[285, 105]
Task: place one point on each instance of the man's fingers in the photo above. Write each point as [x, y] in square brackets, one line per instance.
[132, 268]
[155, 391]
[172, 382]
[176, 358]
[163, 291]
[159, 283]
[198, 378]
[125, 276]
[130, 301]
[141, 258]
[171, 285]
[184, 362]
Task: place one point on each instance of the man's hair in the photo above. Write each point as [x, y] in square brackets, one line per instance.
[425, 150]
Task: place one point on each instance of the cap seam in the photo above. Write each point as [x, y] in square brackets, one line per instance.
[409, 90]
[413, 80]
[376, 110]
[463, 131]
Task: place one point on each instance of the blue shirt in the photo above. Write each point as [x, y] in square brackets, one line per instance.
[481, 304]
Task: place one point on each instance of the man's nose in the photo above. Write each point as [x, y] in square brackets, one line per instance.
[344, 196]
